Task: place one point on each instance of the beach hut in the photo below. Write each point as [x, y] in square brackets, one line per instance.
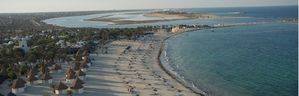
[56, 68]
[46, 78]
[70, 75]
[81, 74]
[31, 79]
[18, 86]
[77, 86]
[60, 89]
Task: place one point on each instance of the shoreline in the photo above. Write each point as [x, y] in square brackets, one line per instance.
[172, 73]
[135, 68]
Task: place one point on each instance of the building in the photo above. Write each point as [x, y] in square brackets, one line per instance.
[177, 29]
[23, 45]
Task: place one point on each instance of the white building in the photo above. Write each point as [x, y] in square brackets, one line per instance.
[177, 29]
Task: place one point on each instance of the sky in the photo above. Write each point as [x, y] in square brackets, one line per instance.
[16, 6]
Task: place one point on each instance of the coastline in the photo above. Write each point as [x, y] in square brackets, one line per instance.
[172, 74]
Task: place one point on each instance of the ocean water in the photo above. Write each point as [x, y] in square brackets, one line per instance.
[257, 60]
[257, 12]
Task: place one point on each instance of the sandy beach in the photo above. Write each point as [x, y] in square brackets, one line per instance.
[157, 17]
[137, 68]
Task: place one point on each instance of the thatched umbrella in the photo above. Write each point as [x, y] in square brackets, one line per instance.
[60, 88]
[77, 86]
[31, 79]
[46, 78]
[18, 86]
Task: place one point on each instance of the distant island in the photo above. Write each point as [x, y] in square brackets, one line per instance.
[180, 15]
[159, 15]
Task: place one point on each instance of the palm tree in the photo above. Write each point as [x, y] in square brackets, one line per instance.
[11, 73]
[31, 57]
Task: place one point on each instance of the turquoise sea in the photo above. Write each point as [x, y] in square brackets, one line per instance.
[257, 60]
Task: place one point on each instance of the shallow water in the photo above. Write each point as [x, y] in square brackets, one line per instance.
[256, 60]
